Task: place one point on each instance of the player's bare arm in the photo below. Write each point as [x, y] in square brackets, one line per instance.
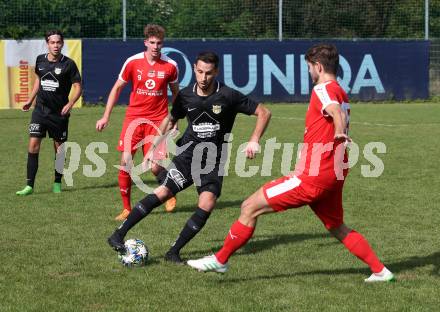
[166, 125]
[263, 117]
[111, 102]
[77, 90]
[339, 120]
[26, 107]
[174, 87]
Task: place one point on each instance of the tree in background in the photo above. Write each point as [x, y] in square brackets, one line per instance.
[246, 19]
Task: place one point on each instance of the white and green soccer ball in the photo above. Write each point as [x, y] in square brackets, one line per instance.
[136, 255]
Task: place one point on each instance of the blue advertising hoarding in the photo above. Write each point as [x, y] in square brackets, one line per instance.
[272, 71]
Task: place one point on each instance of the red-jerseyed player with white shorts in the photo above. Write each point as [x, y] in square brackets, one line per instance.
[150, 73]
[318, 178]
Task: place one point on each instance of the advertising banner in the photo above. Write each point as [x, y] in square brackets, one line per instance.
[273, 71]
[17, 68]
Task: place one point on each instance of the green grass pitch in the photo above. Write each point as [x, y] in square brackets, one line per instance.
[54, 255]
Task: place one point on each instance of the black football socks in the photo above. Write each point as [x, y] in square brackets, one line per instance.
[191, 228]
[139, 211]
[58, 177]
[32, 168]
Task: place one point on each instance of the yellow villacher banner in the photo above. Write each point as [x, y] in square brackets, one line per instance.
[17, 68]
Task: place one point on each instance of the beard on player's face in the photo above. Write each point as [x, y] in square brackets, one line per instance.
[205, 84]
[205, 74]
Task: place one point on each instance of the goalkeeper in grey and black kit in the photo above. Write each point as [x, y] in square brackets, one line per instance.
[210, 108]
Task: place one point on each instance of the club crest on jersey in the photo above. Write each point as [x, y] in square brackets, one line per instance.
[151, 73]
[57, 70]
[160, 74]
[216, 109]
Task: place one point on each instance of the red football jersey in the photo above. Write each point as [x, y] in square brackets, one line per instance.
[321, 160]
[148, 97]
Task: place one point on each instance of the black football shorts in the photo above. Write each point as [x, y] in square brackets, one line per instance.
[183, 172]
[55, 125]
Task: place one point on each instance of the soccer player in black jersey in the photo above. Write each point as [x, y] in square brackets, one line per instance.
[56, 74]
[210, 108]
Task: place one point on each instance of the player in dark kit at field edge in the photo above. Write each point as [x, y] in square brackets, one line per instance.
[56, 74]
[210, 108]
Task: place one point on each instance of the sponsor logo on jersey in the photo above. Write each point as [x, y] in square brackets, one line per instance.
[150, 84]
[177, 177]
[57, 70]
[205, 126]
[161, 74]
[151, 73]
[49, 82]
[149, 92]
[216, 109]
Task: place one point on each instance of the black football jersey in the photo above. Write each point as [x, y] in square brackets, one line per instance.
[56, 79]
[210, 117]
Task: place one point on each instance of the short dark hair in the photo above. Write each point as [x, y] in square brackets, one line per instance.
[326, 54]
[208, 57]
[53, 32]
[154, 30]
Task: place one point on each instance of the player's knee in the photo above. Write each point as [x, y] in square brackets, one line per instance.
[156, 169]
[340, 231]
[163, 193]
[207, 203]
[244, 205]
[34, 148]
[123, 162]
[247, 209]
[126, 158]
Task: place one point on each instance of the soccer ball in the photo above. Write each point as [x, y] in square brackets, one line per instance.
[136, 255]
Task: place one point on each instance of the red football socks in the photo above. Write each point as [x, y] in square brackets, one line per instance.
[238, 236]
[124, 180]
[359, 247]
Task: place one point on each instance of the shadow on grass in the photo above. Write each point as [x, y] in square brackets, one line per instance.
[396, 267]
[90, 187]
[221, 204]
[66, 189]
[261, 243]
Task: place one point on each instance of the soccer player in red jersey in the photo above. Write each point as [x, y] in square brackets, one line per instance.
[150, 73]
[318, 178]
